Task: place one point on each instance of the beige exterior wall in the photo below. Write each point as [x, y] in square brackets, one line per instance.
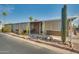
[53, 27]
[20, 27]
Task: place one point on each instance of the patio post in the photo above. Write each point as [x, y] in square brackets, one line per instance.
[43, 28]
[29, 28]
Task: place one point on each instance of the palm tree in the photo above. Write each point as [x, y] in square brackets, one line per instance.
[4, 13]
[30, 18]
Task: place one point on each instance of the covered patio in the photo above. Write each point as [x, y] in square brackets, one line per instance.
[35, 27]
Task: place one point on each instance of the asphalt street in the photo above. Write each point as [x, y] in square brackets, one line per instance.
[11, 45]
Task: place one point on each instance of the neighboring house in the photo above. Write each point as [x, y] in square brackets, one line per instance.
[7, 28]
[48, 27]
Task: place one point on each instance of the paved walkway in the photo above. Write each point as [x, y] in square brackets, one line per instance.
[56, 42]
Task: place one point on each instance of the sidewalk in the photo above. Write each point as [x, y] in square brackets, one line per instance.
[55, 43]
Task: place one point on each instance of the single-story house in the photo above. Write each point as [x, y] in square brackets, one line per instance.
[48, 27]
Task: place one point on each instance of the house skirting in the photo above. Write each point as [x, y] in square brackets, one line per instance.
[55, 33]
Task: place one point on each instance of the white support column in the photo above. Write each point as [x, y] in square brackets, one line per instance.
[29, 27]
[43, 27]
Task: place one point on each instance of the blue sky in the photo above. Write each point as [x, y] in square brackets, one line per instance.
[21, 12]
